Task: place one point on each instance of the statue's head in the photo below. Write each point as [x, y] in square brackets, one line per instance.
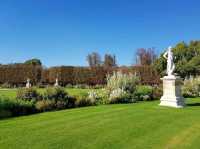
[170, 49]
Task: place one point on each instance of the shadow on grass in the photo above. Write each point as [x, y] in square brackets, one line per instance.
[193, 104]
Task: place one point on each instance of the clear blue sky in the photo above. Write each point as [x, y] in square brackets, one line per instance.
[63, 32]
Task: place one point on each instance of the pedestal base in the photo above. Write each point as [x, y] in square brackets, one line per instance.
[172, 96]
[176, 103]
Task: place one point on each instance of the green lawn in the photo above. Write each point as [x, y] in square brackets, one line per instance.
[11, 93]
[142, 125]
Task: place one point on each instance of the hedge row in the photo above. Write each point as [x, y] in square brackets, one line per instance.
[17, 74]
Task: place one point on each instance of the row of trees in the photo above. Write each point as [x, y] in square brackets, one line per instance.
[142, 56]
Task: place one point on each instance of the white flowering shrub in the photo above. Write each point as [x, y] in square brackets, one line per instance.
[97, 97]
[117, 93]
[118, 80]
[121, 96]
[191, 87]
[92, 96]
[121, 87]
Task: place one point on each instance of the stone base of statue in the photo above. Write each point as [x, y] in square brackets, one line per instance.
[172, 96]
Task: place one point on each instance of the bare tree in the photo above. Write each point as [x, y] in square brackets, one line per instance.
[145, 56]
[109, 60]
[94, 59]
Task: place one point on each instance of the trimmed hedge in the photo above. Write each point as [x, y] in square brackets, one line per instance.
[17, 74]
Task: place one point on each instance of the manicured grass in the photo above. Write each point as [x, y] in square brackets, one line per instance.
[11, 93]
[140, 125]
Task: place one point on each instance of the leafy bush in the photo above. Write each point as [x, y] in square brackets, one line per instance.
[55, 93]
[45, 105]
[67, 102]
[96, 97]
[9, 107]
[144, 92]
[120, 96]
[83, 100]
[60, 97]
[103, 96]
[157, 92]
[69, 86]
[191, 87]
[28, 94]
[5, 113]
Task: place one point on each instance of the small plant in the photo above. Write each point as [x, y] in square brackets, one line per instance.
[120, 96]
[157, 92]
[144, 92]
[83, 101]
[45, 105]
[92, 95]
[96, 97]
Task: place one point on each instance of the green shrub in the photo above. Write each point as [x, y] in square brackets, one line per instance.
[96, 97]
[55, 93]
[28, 94]
[144, 92]
[5, 113]
[157, 92]
[60, 97]
[69, 86]
[83, 101]
[104, 95]
[10, 107]
[191, 87]
[67, 102]
[45, 105]
[120, 96]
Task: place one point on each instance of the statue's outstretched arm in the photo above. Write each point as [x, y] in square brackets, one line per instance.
[165, 55]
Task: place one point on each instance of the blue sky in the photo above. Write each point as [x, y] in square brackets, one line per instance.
[63, 32]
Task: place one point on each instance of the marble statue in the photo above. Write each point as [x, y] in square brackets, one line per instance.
[170, 61]
[172, 96]
[57, 83]
[28, 84]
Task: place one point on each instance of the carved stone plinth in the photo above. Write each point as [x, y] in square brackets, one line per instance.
[172, 96]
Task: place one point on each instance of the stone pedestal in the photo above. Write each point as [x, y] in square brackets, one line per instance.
[172, 96]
